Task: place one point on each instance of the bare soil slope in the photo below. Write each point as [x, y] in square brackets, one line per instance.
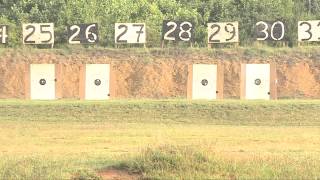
[160, 73]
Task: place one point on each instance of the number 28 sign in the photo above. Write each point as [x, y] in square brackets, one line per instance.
[38, 33]
[177, 30]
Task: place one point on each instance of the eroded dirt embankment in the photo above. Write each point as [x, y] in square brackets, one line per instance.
[159, 73]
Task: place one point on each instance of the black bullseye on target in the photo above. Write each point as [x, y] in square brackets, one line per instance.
[257, 82]
[42, 82]
[97, 82]
[204, 82]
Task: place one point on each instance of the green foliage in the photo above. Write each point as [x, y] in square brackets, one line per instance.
[153, 12]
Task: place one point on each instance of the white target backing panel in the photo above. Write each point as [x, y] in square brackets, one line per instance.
[257, 83]
[42, 81]
[97, 82]
[204, 81]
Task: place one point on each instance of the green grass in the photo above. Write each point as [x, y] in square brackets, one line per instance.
[255, 52]
[172, 139]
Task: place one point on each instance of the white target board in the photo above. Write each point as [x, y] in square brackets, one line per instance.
[97, 82]
[42, 81]
[204, 81]
[258, 81]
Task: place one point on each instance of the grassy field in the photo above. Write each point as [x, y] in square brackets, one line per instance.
[171, 139]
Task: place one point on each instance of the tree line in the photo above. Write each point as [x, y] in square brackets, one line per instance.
[153, 12]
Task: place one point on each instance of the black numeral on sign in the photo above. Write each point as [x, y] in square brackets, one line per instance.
[44, 31]
[215, 29]
[177, 30]
[83, 34]
[30, 31]
[3, 34]
[308, 31]
[232, 32]
[139, 31]
[124, 29]
[270, 31]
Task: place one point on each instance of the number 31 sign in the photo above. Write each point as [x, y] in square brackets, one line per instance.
[309, 30]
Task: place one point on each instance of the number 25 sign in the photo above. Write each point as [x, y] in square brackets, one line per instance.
[38, 33]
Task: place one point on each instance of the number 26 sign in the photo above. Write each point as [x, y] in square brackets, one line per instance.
[83, 33]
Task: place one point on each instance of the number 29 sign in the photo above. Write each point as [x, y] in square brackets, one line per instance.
[38, 33]
[223, 32]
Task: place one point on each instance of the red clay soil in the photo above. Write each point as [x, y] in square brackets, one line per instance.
[156, 74]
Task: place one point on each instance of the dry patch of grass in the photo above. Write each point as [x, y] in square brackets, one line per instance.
[80, 139]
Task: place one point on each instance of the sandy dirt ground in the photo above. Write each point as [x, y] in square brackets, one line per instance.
[156, 75]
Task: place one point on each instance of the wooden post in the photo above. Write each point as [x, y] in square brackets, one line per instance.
[82, 79]
[27, 82]
[220, 81]
[162, 44]
[190, 82]
[58, 81]
[243, 81]
[273, 81]
[113, 82]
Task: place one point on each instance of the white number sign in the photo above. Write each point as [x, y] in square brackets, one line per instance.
[227, 32]
[131, 33]
[309, 30]
[38, 33]
[3, 34]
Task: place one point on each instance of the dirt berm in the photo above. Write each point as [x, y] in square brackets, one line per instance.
[162, 73]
